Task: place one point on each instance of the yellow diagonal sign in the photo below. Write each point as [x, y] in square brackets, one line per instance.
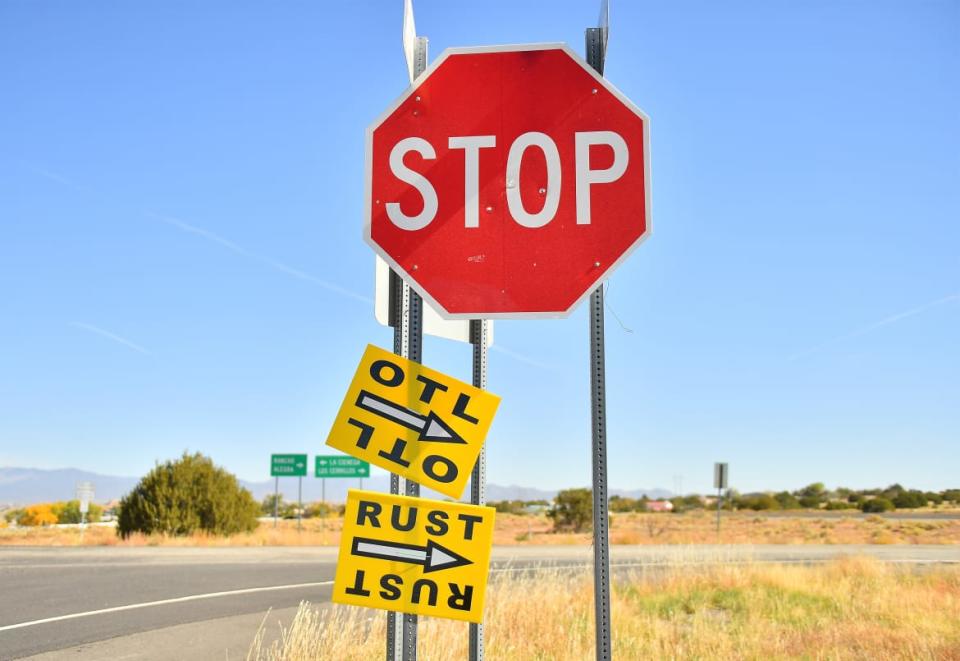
[413, 421]
[414, 555]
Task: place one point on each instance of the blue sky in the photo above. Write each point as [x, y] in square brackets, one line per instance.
[181, 264]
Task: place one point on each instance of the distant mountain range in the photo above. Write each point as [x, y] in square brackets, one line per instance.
[20, 486]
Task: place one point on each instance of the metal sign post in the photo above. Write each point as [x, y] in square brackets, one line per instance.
[596, 47]
[406, 316]
[292, 465]
[85, 494]
[478, 479]
[720, 474]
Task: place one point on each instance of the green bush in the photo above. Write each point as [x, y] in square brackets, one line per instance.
[787, 500]
[841, 505]
[685, 503]
[187, 495]
[910, 499]
[878, 504]
[934, 497]
[758, 502]
[69, 512]
[572, 510]
[268, 502]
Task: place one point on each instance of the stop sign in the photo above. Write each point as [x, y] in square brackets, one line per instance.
[508, 181]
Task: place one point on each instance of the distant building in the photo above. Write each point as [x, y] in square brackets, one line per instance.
[659, 506]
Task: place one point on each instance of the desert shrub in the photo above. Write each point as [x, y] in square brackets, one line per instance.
[623, 504]
[508, 506]
[878, 504]
[841, 505]
[892, 491]
[686, 503]
[319, 510]
[810, 502]
[187, 495]
[37, 515]
[953, 495]
[787, 500]
[910, 499]
[266, 505]
[572, 510]
[758, 502]
[69, 512]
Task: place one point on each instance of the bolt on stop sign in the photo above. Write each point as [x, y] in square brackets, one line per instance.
[508, 181]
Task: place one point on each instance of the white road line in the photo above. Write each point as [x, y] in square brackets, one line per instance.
[162, 602]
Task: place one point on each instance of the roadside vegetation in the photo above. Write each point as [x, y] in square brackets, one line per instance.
[851, 608]
[186, 496]
[191, 502]
[695, 527]
[48, 514]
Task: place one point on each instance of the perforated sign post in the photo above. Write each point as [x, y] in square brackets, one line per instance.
[720, 476]
[413, 421]
[414, 555]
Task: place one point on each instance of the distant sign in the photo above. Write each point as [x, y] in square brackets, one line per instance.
[413, 421]
[85, 494]
[340, 466]
[414, 555]
[288, 465]
[720, 474]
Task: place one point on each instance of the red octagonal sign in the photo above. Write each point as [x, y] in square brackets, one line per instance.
[508, 182]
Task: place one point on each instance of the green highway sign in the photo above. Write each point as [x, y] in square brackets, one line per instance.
[340, 466]
[288, 465]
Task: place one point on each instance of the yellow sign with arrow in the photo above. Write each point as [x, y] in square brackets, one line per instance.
[413, 421]
[414, 555]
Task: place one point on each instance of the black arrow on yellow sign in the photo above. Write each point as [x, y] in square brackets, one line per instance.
[432, 556]
[430, 426]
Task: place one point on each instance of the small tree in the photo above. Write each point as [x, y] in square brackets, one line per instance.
[572, 510]
[268, 503]
[910, 499]
[183, 496]
[69, 512]
[37, 515]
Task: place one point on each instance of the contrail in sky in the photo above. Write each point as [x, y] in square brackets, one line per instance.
[521, 358]
[110, 336]
[215, 238]
[886, 321]
[268, 261]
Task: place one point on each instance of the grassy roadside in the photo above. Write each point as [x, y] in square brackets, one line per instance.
[630, 528]
[851, 608]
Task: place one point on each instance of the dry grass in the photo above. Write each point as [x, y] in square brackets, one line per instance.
[691, 528]
[853, 608]
[736, 528]
[314, 533]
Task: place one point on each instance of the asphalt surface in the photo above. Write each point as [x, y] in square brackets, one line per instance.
[210, 620]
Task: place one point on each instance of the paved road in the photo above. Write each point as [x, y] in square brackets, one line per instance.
[183, 604]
